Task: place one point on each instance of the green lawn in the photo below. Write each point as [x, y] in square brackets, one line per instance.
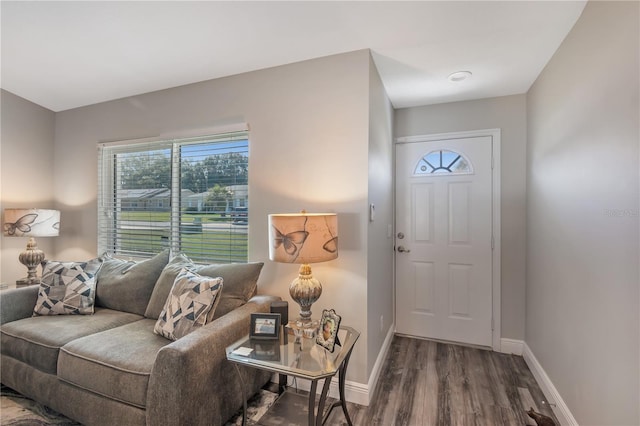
[204, 247]
[151, 216]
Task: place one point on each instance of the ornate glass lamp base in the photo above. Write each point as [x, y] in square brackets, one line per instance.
[300, 328]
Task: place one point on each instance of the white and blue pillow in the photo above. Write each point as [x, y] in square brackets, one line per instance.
[192, 298]
[67, 288]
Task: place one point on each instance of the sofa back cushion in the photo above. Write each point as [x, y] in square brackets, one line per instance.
[240, 284]
[127, 286]
[165, 282]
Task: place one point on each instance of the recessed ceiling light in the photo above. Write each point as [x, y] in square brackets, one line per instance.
[459, 76]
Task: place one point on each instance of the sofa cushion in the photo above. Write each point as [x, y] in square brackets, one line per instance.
[67, 288]
[240, 284]
[125, 285]
[191, 300]
[122, 358]
[36, 340]
[165, 282]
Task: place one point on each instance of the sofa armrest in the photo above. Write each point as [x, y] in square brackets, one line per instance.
[17, 303]
[192, 382]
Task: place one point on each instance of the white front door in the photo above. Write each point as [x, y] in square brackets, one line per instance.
[444, 239]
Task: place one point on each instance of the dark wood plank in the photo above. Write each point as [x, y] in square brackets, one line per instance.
[528, 401]
[444, 384]
[511, 382]
[425, 406]
[532, 386]
[496, 388]
[478, 387]
[408, 383]
[382, 411]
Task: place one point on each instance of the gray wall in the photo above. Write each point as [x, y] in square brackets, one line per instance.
[309, 142]
[320, 139]
[582, 319]
[26, 171]
[380, 290]
[509, 114]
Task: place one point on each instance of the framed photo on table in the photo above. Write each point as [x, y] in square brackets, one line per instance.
[329, 326]
[264, 326]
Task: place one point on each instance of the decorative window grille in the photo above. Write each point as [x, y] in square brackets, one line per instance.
[443, 162]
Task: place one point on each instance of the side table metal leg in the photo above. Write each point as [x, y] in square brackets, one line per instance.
[323, 397]
[312, 403]
[342, 373]
[244, 400]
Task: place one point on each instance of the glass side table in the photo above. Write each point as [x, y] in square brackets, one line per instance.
[302, 358]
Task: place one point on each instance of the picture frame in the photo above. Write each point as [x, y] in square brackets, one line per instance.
[264, 326]
[328, 334]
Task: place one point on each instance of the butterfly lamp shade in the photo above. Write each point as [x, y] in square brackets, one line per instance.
[303, 238]
[31, 223]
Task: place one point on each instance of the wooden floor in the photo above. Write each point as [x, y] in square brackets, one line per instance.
[430, 383]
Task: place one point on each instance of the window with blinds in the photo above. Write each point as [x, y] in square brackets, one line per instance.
[189, 195]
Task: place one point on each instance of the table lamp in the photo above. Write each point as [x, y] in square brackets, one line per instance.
[303, 238]
[31, 223]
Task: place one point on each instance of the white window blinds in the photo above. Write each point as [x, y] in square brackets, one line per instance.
[189, 195]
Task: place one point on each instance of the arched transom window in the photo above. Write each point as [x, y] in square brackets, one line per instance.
[443, 162]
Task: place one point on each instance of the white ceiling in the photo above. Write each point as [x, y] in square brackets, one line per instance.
[63, 55]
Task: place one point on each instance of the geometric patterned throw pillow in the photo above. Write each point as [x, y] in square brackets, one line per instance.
[191, 298]
[67, 288]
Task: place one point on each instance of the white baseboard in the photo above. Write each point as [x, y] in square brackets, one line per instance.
[355, 392]
[511, 346]
[550, 392]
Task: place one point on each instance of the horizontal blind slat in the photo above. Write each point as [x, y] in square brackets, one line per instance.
[137, 187]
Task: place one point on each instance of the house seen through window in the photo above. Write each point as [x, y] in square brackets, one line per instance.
[189, 195]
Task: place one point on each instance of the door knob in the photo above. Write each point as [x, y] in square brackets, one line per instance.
[401, 249]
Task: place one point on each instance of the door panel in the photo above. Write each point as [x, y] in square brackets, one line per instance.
[422, 215]
[444, 210]
[459, 290]
[423, 286]
[459, 213]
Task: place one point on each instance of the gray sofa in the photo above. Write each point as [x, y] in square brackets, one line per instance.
[110, 368]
